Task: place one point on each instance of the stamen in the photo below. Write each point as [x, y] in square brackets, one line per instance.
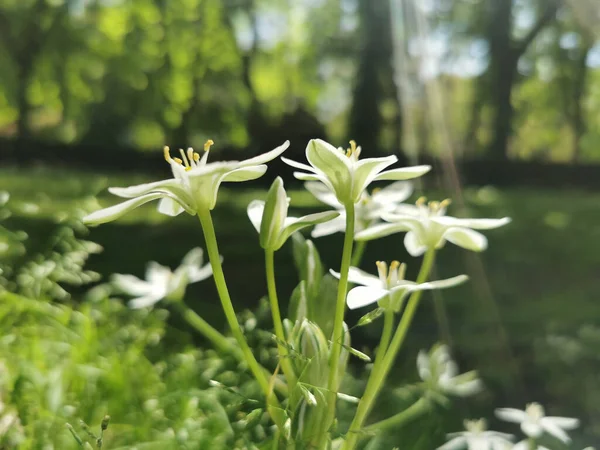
[190, 154]
[178, 161]
[393, 273]
[421, 201]
[434, 206]
[352, 146]
[383, 272]
[402, 271]
[166, 153]
[185, 160]
[208, 144]
[445, 203]
[196, 157]
[348, 153]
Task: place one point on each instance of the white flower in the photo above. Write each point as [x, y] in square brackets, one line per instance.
[389, 288]
[525, 445]
[534, 421]
[440, 373]
[429, 227]
[161, 282]
[272, 222]
[194, 186]
[368, 210]
[476, 437]
[343, 173]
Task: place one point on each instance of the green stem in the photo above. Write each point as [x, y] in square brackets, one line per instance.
[380, 375]
[531, 444]
[206, 330]
[338, 324]
[286, 365]
[215, 262]
[359, 251]
[418, 408]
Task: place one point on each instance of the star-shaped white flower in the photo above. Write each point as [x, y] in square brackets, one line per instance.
[389, 288]
[428, 227]
[477, 437]
[161, 282]
[534, 422]
[344, 174]
[194, 186]
[272, 222]
[368, 210]
[441, 376]
[526, 445]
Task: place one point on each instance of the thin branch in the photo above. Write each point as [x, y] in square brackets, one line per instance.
[548, 14]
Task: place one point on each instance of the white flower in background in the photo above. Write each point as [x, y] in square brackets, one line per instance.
[534, 421]
[428, 227]
[389, 288]
[368, 210]
[344, 174]
[440, 374]
[194, 186]
[526, 445]
[162, 283]
[477, 437]
[272, 222]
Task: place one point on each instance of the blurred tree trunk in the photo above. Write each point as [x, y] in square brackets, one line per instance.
[579, 127]
[504, 57]
[374, 75]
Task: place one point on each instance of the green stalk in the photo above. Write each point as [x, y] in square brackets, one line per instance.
[338, 324]
[386, 336]
[359, 251]
[380, 375]
[207, 330]
[215, 261]
[418, 408]
[286, 365]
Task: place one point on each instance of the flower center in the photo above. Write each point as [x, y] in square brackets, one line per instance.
[353, 152]
[432, 208]
[390, 277]
[190, 158]
[535, 411]
[475, 426]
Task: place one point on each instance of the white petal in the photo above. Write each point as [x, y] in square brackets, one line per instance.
[478, 224]
[194, 257]
[365, 172]
[413, 244]
[454, 444]
[297, 165]
[323, 193]
[130, 284]
[305, 221]
[196, 274]
[511, 415]
[466, 389]
[404, 173]
[568, 423]
[554, 429]
[380, 230]
[333, 164]
[244, 174]
[531, 429]
[308, 176]
[466, 238]
[169, 207]
[523, 445]
[362, 296]
[141, 189]
[255, 213]
[157, 275]
[336, 225]
[423, 365]
[116, 211]
[440, 284]
[266, 157]
[357, 276]
[394, 193]
[143, 302]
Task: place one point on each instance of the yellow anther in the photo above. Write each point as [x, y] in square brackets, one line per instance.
[394, 265]
[196, 157]
[445, 203]
[190, 154]
[348, 153]
[208, 144]
[375, 191]
[352, 146]
[188, 168]
[421, 201]
[178, 161]
[434, 206]
[166, 151]
[379, 263]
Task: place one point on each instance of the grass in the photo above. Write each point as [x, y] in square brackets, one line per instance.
[539, 275]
